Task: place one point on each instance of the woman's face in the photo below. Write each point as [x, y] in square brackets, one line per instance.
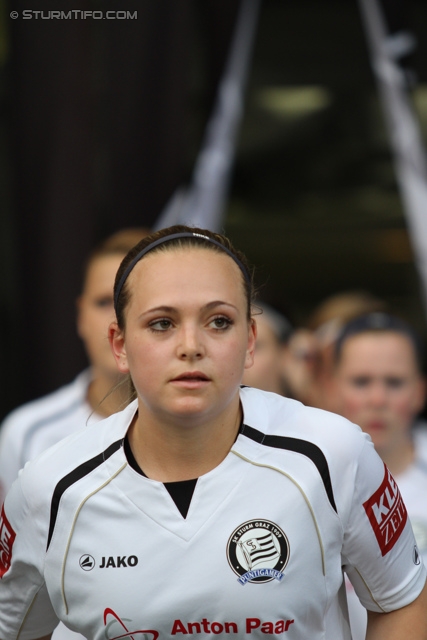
[187, 338]
[379, 386]
[95, 312]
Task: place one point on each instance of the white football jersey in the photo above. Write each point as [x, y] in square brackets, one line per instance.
[302, 494]
[37, 425]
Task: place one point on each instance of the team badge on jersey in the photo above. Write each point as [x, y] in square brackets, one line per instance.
[258, 551]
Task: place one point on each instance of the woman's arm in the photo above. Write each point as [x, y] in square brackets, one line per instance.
[410, 622]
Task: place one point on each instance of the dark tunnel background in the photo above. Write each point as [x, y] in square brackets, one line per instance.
[101, 120]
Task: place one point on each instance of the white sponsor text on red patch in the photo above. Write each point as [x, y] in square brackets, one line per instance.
[387, 513]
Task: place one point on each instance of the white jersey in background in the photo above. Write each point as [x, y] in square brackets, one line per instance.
[302, 494]
[37, 425]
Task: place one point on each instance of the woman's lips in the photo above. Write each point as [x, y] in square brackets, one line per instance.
[375, 425]
[191, 380]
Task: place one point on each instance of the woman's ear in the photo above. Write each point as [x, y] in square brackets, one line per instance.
[118, 347]
[251, 344]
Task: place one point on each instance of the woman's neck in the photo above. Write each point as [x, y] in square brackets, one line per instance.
[171, 452]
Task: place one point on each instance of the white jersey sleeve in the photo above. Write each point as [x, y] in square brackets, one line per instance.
[24, 601]
[379, 544]
[9, 457]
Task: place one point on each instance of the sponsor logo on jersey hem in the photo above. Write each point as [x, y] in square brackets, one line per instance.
[258, 552]
[204, 627]
[116, 628]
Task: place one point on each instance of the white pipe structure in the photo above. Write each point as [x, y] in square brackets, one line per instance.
[404, 131]
[202, 204]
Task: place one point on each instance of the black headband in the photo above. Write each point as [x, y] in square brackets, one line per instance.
[173, 236]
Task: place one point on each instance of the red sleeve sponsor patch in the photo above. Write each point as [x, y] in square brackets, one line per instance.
[7, 538]
[387, 513]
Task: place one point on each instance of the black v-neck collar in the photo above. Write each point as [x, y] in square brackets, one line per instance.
[181, 492]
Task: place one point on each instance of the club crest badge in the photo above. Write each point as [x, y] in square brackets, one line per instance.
[258, 552]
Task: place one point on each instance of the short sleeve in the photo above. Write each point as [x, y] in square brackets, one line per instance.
[380, 555]
[9, 455]
[25, 607]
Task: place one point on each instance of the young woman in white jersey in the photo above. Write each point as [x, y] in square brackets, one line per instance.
[379, 385]
[204, 508]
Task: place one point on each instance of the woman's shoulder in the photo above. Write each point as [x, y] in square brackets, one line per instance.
[41, 475]
[285, 430]
[81, 461]
[51, 407]
[276, 415]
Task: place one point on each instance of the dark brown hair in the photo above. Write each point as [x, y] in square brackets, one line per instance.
[119, 243]
[198, 238]
[381, 323]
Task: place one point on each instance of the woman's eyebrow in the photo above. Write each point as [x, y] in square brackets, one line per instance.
[161, 308]
[218, 303]
[167, 309]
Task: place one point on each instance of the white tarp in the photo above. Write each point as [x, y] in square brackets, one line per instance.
[203, 203]
[405, 135]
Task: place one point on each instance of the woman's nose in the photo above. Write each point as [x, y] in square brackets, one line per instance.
[190, 343]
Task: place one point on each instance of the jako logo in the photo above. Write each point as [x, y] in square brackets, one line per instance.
[87, 562]
[118, 561]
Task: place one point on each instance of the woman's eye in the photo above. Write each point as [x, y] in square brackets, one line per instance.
[221, 322]
[160, 325]
[102, 303]
[395, 383]
[360, 382]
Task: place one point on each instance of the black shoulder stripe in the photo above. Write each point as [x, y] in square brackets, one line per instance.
[303, 447]
[77, 474]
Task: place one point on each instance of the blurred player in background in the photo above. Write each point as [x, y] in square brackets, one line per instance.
[35, 426]
[273, 331]
[379, 385]
[325, 323]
